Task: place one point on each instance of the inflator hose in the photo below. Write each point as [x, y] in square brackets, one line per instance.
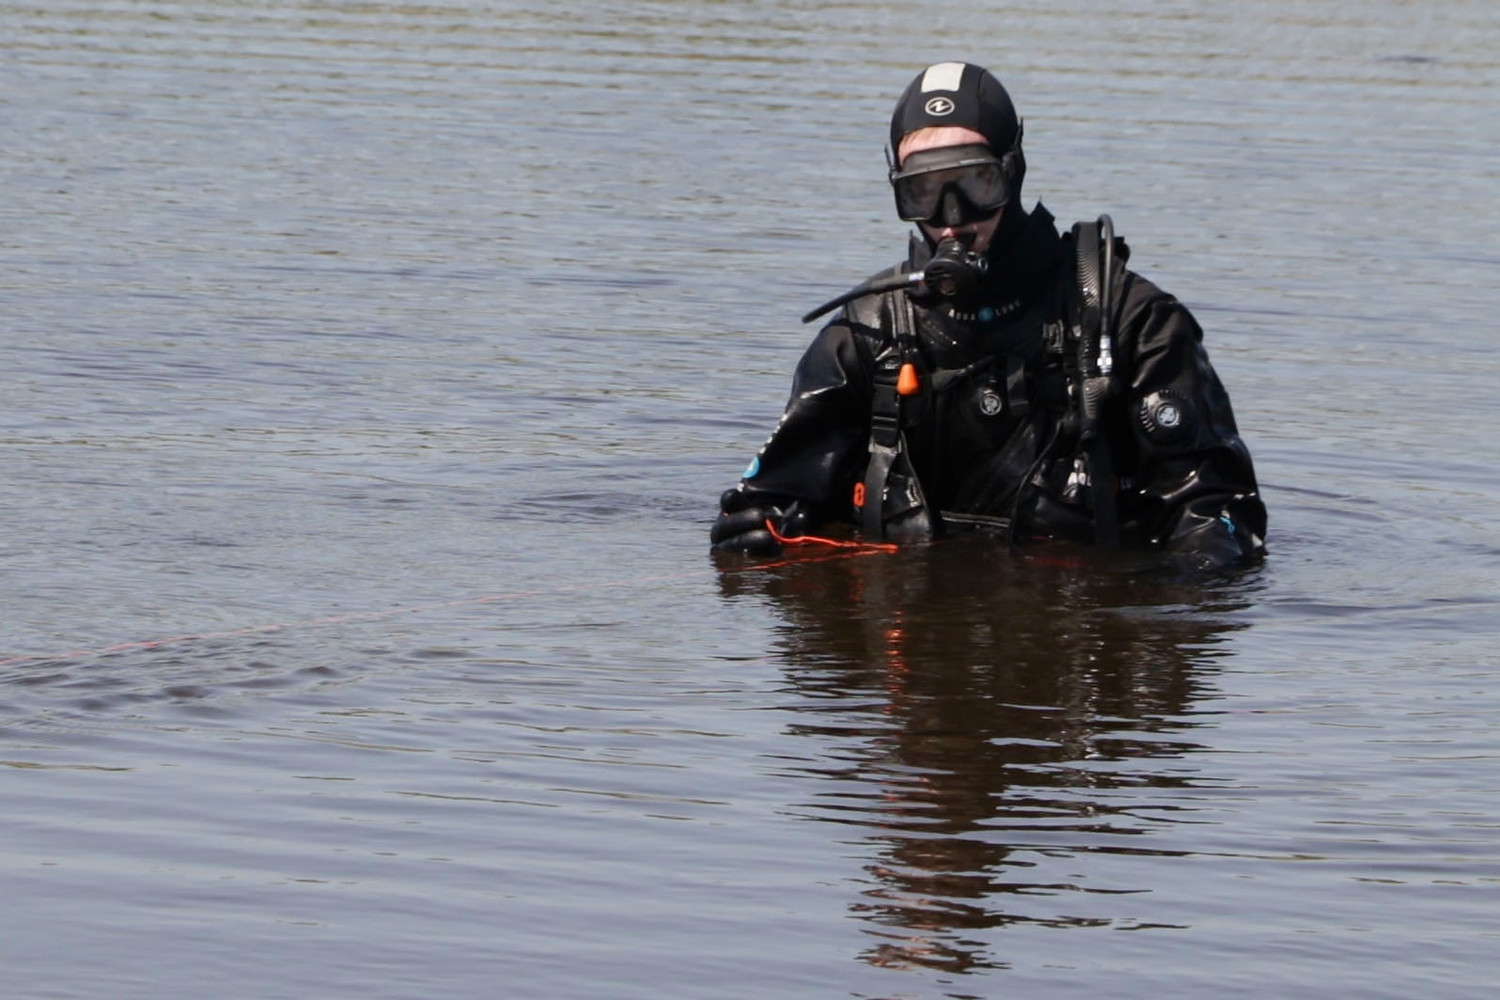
[871, 287]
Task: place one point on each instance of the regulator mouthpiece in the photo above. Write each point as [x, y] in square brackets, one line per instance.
[956, 272]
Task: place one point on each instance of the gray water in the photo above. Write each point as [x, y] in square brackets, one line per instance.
[370, 372]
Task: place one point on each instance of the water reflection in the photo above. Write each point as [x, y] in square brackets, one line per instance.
[985, 718]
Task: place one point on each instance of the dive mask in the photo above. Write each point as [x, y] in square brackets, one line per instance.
[950, 186]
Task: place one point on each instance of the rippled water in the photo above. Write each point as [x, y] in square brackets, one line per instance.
[370, 374]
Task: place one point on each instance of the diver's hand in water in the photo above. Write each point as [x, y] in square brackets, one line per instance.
[1207, 557]
[745, 530]
[1212, 546]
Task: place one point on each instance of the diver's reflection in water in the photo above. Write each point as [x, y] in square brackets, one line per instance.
[981, 713]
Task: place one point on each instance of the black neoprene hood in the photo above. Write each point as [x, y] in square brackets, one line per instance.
[961, 95]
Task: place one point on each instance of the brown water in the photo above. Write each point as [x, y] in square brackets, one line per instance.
[370, 374]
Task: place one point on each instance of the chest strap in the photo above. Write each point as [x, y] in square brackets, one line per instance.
[887, 442]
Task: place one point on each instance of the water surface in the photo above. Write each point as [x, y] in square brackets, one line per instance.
[371, 372]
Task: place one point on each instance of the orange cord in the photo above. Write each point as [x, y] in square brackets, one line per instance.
[830, 542]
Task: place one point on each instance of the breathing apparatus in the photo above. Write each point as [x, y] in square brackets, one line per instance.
[955, 273]
[950, 186]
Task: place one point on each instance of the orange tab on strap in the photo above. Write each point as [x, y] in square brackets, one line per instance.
[907, 383]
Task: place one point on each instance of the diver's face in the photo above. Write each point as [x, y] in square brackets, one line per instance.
[976, 235]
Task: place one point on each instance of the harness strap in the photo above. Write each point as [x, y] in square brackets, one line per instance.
[1016, 400]
[876, 473]
[886, 442]
[1094, 378]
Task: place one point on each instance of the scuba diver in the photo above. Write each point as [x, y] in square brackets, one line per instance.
[1005, 378]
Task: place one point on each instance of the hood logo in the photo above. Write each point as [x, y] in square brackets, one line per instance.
[940, 106]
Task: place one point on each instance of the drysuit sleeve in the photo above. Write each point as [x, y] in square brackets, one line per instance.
[821, 442]
[1193, 484]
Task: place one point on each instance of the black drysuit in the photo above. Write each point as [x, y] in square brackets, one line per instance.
[993, 436]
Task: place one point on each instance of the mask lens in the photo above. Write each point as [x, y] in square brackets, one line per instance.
[919, 194]
[984, 185]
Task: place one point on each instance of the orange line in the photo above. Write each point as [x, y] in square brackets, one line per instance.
[831, 542]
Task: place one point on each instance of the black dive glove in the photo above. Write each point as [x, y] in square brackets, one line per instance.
[1212, 545]
[745, 530]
